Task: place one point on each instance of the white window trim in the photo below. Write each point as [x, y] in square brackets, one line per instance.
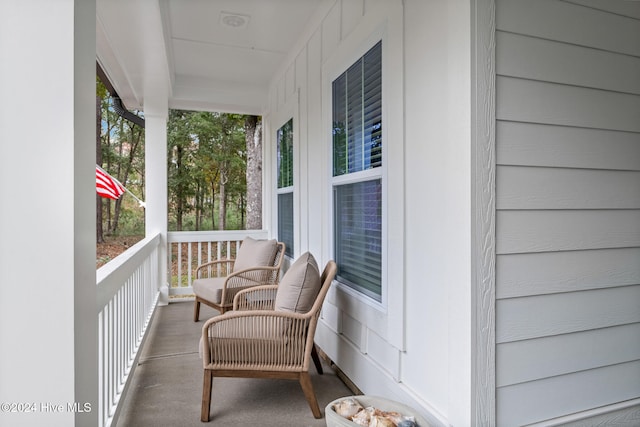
[287, 112]
[386, 318]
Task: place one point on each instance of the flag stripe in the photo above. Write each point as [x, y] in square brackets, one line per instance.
[107, 186]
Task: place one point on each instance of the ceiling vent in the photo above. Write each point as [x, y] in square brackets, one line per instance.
[234, 20]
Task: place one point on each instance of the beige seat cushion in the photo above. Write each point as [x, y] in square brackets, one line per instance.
[209, 289]
[300, 285]
[252, 331]
[255, 253]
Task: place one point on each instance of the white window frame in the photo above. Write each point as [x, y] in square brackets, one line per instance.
[287, 112]
[386, 317]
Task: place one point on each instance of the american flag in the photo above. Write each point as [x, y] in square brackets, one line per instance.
[107, 186]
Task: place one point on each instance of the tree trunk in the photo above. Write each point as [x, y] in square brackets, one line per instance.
[99, 230]
[253, 139]
[222, 207]
[198, 206]
[213, 205]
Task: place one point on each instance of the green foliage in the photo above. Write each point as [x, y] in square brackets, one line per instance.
[206, 155]
[101, 90]
[122, 156]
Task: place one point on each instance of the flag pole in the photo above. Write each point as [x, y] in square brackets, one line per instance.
[140, 202]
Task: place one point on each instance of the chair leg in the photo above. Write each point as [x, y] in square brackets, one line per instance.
[307, 388]
[206, 396]
[316, 359]
[196, 311]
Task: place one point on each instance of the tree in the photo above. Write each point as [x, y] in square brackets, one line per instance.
[207, 170]
[120, 151]
[101, 93]
[253, 140]
[179, 167]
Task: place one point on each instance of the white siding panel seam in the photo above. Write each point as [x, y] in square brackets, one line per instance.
[565, 42]
[561, 125]
[554, 272]
[572, 168]
[601, 9]
[540, 230]
[570, 23]
[543, 102]
[596, 90]
[560, 251]
[553, 397]
[550, 315]
[624, 414]
[546, 357]
[538, 187]
[526, 144]
[575, 371]
[594, 288]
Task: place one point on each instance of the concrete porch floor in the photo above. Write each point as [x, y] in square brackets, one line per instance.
[166, 388]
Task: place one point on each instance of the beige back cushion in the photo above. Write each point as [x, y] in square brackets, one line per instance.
[255, 253]
[300, 285]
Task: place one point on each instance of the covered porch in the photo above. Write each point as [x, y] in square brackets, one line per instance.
[505, 206]
[82, 343]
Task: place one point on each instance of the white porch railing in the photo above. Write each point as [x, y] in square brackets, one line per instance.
[127, 296]
[188, 249]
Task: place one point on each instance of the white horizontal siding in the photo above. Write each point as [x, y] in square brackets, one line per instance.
[553, 188]
[568, 23]
[531, 144]
[625, 8]
[551, 61]
[546, 315]
[551, 356]
[534, 401]
[568, 207]
[619, 414]
[521, 231]
[554, 272]
[557, 104]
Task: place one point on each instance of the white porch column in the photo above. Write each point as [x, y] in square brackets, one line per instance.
[48, 317]
[156, 112]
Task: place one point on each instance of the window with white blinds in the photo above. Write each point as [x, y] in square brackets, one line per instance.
[284, 139]
[357, 147]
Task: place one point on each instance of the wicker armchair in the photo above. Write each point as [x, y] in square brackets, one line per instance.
[265, 336]
[257, 263]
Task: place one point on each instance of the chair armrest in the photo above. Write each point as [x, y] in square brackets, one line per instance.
[256, 298]
[247, 278]
[221, 268]
[266, 275]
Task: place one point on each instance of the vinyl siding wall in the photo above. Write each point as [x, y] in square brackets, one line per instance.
[568, 209]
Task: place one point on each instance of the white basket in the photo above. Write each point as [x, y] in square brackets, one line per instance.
[335, 420]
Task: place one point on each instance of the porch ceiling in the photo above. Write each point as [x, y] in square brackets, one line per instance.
[192, 50]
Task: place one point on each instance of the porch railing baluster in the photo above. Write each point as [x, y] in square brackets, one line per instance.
[220, 242]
